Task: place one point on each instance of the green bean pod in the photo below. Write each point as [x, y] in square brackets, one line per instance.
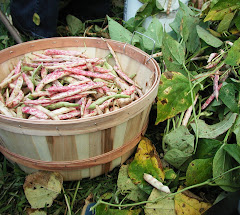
[61, 104]
[105, 98]
[35, 73]
[27, 68]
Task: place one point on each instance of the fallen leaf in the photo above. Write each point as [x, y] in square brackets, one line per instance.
[165, 206]
[42, 187]
[189, 204]
[126, 186]
[146, 160]
[104, 209]
[31, 211]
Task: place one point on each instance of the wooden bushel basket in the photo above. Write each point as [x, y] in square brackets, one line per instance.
[85, 147]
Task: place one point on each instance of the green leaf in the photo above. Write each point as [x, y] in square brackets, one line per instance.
[126, 186]
[36, 19]
[147, 9]
[74, 24]
[178, 150]
[175, 48]
[146, 160]
[199, 170]
[213, 131]
[207, 37]
[180, 138]
[173, 95]
[233, 57]
[170, 174]
[221, 8]
[163, 206]
[190, 35]
[223, 162]
[227, 95]
[176, 158]
[225, 23]
[159, 5]
[236, 130]
[104, 209]
[237, 21]
[119, 33]
[154, 31]
[207, 148]
[233, 150]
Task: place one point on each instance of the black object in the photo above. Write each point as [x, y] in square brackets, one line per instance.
[86, 10]
[22, 12]
[230, 205]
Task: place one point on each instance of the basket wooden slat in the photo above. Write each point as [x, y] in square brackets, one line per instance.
[85, 147]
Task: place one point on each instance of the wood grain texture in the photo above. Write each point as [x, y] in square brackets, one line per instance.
[86, 147]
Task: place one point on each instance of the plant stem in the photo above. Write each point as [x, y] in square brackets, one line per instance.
[67, 202]
[193, 107]
[207, 182]
[75, 194]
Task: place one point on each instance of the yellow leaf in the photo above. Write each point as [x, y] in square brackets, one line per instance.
[189, 204]
[42, 187]
[146, 160]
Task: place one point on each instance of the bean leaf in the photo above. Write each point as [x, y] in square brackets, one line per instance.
[188, 203]
[207, 148]
[233, 57]
[154, 31]
[227, 95]
[221, 8]
[74, 24]
[41, 188]
[225, 23]
[119, 33]
[213, 131]
[207, 37]
[173, 95]
[236, 130]
[104, 209]
[178, 146]
[164, 206]
[177, 52]
[223, 162]
[199, 170]
[146, 160]
[126, 186]
[233, 150]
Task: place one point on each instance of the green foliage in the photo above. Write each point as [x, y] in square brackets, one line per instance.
[173, 95]
[208, 37]
[198, 171]
[75, 25]
[213, 131]
[127, 187]
[103, 209]
[162, 207]
[223, 162]
[178, 146]
[233, 57]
